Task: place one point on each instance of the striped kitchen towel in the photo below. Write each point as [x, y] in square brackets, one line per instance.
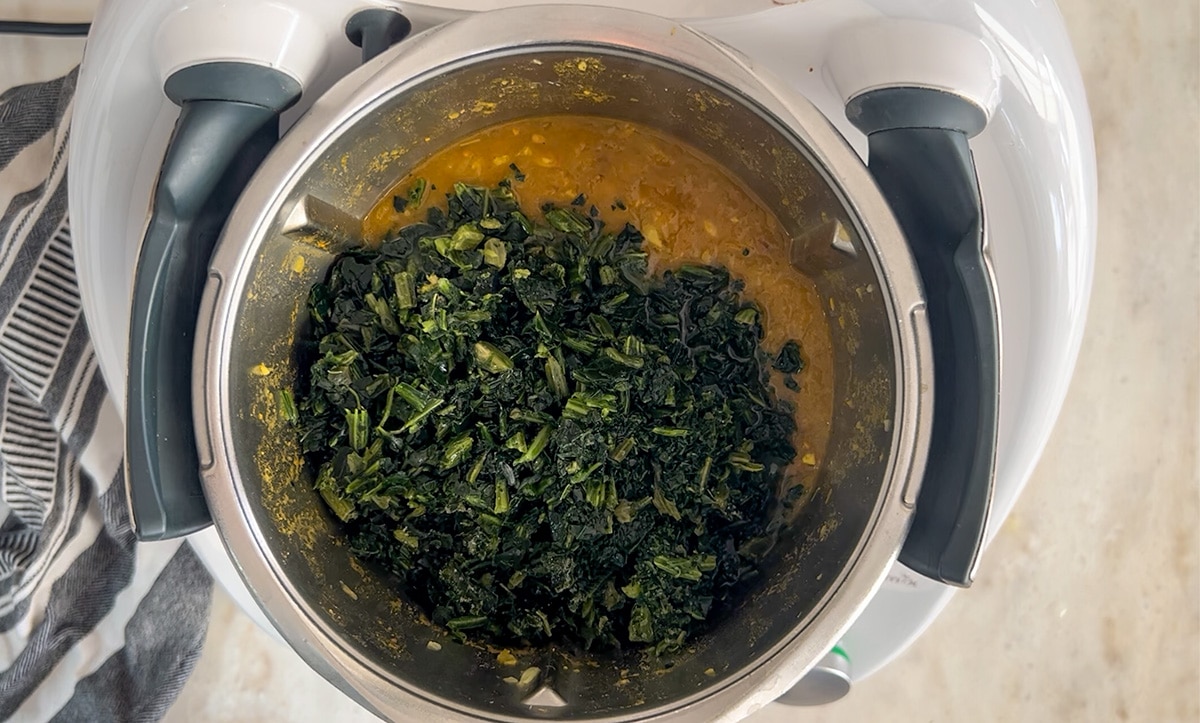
[94, 626]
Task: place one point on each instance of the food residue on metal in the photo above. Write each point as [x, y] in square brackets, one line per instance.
[529, 676]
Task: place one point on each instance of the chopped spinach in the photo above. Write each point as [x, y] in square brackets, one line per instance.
[788, 361]
[542, 440]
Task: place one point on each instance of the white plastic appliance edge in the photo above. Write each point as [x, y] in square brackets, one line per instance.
[1036, 166]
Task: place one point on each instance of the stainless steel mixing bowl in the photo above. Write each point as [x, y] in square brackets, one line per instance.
[307, 202]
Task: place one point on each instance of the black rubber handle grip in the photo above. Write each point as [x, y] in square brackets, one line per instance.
[377, 29]
[215, 148]
[921, 161]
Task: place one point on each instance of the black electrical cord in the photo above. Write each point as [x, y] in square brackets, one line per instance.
[64, 30]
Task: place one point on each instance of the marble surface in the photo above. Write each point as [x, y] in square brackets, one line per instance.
[1088, 603]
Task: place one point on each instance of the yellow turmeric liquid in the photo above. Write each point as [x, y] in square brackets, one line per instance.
[686, 205]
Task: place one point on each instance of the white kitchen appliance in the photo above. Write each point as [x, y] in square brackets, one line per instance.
[1035, 164]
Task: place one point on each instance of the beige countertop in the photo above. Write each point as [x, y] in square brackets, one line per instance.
[1087, 606]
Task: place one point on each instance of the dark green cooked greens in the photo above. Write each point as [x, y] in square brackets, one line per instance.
[542, 440]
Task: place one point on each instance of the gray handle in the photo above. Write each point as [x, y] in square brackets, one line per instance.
[227, 124]
[922, 163]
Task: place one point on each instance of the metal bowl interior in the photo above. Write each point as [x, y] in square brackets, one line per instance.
[315, 212]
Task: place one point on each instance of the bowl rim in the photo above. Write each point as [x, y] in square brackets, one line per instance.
[533, 30]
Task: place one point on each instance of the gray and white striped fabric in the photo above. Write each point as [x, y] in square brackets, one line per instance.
[93, 625]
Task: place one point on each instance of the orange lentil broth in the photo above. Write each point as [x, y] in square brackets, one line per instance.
[686, 205]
